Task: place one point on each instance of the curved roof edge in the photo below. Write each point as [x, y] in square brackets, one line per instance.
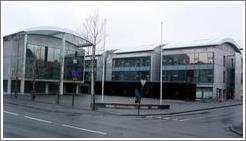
[50, 31]
[204, 42]
[50, 28]
[231, 42]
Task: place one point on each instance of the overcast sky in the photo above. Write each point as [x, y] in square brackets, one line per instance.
[134, 24]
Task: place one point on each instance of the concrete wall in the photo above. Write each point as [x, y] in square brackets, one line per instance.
[238, 73]
[220, 51]
[155, 64]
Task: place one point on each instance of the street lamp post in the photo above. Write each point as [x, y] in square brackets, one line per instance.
[103, 76]
[161, 68]
[93, 101]
[104, 55]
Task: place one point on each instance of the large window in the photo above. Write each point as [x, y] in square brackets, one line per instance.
[43, 62]
[88, 69]
[183, 67]
[224, 75]
[205, 76]
[35, 59]
[131, 62]
[35, 52]
[194, 76]
[69, 65]
[53, 63]
[203, 58]
[131, 76]
[224, 60]
[136, 68]
[189, 58]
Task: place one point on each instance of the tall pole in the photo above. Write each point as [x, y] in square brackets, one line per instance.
[161, 68]
[92, 78]
[104, 56]
[103, 76]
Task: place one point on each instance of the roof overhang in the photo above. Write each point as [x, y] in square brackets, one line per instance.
[70, 36]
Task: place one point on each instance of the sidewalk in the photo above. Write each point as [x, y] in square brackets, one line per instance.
[238, 129]
[82, 102]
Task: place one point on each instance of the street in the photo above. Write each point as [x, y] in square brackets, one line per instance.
[25, 122]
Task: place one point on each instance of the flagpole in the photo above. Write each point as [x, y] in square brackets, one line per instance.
[104, 57]
[161, 67]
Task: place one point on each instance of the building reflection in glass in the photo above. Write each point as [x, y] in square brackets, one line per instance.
[44, 62]
[132, 69]
[191, 67]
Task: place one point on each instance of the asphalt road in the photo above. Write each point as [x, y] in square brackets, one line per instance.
[25, 122]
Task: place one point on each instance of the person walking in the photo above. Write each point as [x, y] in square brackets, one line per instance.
[137, 96]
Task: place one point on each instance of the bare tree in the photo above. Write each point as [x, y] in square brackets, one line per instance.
[93, 28]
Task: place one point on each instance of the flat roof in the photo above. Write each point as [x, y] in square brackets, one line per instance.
[142, 48]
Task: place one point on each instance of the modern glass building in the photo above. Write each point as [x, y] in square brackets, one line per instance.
[215, 66]
[45, 55]
[133, 65]
[131, 69]
[210, 64]
[88, 64]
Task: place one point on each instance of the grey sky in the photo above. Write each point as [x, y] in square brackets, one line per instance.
[134, 24]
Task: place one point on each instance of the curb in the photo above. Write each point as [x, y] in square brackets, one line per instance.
[235, 131]
[57, 111]
[171, 113]
[174, 113]
[34, 107]
[48, 103]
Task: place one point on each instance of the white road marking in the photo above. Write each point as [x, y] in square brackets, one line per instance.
[11, 113]
[38, 119]
[166, 118]
[185, 119]
[93, 131]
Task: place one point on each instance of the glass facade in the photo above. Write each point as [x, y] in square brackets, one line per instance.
[131, 69]
[204, 93]
[88, 69]
[189, 58]
[134, 75]
[69, 65]
[191, 67]
[131, 62]
[43, 62]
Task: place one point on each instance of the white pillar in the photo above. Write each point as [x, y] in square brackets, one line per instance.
[46, 88]
[22, 87]
[62, 63]
[77, 88]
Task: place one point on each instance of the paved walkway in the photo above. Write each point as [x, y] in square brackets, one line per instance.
[82, 102]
